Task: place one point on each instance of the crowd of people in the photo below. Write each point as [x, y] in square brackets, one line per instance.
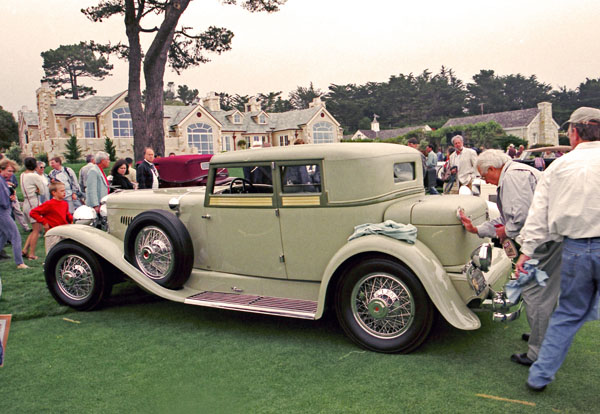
[49, 200]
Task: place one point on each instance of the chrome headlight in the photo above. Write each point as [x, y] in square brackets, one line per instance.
[84, 215]
[482, 257]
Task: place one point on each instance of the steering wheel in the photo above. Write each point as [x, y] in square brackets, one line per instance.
[244, 182]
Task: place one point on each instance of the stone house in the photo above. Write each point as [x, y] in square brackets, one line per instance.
[535, 125]
[201, 128]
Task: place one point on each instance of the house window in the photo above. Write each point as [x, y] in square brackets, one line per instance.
[122, 126]
[284, 140]
[226, 144]
[89, 129]
[200, 136]
[262, 119]
[73, 129]
[237, 119]
[256, 141]
[323, 133]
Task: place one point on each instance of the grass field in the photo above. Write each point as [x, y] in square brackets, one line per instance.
[140, 353]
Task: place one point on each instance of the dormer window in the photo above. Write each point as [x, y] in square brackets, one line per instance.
[262, 119]
[237, 118]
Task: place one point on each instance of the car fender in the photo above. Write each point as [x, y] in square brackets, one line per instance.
[421, 261]
[111, 249]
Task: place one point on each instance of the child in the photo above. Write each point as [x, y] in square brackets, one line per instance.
[54, 212]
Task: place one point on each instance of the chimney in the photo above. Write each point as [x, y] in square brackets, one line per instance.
[212, 102]
[374, 123]
[316, 102]
[547, 131]
[252, 106]
[46, 98]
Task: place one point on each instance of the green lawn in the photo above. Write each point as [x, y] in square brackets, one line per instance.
[144, 354]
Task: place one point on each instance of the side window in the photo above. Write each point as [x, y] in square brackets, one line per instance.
[305, 178]
[404, 171]
[247, 179]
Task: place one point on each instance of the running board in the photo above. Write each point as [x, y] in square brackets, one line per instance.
[292, 308]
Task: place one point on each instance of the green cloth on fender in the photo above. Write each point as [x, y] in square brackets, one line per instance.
[405, 232]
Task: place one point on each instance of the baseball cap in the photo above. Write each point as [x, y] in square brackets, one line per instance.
[583, 115]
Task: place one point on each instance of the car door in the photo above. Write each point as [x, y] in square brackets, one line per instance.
[242, 224]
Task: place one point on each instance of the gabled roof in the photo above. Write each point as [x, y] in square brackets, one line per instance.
[276, 121]
[176, 113]
[91, 106]
[509, 119]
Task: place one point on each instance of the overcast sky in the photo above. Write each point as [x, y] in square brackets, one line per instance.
[326, 41]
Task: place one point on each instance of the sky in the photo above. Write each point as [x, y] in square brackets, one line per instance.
[324, 42]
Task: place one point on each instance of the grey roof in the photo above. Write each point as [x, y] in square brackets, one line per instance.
[390, 133]
[509, 119]
[176, 113]
[276, 121]
[31, 118]
[91, 106]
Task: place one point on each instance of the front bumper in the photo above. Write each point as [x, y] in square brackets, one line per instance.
[503, 310]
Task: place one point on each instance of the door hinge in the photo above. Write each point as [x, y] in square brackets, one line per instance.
[282, 258]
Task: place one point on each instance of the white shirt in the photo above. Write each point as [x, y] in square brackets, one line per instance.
[566, 202]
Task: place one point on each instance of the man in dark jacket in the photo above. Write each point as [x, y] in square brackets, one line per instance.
[147, 175]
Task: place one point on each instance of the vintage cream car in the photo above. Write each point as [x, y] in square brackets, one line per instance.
[275, 241]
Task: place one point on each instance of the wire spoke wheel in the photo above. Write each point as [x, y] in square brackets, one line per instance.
[153, 252]
[74, 277]
[383, 305]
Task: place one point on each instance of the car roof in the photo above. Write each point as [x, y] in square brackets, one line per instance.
[561, 148]
[338, 151]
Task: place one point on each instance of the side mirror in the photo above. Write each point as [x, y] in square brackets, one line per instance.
[482, 257]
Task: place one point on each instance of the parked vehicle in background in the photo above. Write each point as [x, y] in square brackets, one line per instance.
[186, 170]
[280, 239]
[548, 154]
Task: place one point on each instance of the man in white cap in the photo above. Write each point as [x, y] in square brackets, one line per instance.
[465, 160]
[566, 205]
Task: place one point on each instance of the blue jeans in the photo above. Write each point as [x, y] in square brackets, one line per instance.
[9, 231]
[580, 280]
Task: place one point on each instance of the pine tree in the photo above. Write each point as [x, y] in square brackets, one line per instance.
[109, 147]
[73, 153]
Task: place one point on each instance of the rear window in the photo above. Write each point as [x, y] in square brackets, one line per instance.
[404, 171]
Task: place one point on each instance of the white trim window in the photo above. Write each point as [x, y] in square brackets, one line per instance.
[122, 125]
[257, 141]
[262, 119]
[226, 143]
[237, 118]
[73, 128]
[284, 141]
[200, 136]
[323, 133]
[89, 129]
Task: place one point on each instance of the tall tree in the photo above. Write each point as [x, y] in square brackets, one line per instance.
[67, 63]
[9, 129]
[172, 44]
[301, 97]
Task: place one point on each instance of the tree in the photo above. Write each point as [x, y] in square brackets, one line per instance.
[172, 44]
[73, 152]
[9, 129]
[14, 152]
[186, 95]
[301, 97]
[109, 148]
[65, 64]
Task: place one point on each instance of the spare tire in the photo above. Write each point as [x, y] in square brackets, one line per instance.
[159, 245]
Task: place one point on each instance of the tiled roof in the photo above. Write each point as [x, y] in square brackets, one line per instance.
[31, 118]
[175, 113]
[91, 106]
[509, 119]
[390, 133]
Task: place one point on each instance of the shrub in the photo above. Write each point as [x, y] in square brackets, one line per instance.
[42, 156]
[73, 152]
[14, 152]
[109, 147]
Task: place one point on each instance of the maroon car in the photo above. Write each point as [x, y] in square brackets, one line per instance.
[187, 170]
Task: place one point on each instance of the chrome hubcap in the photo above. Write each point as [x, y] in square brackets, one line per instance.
[75, 278]
[154, 252]
[382, 305]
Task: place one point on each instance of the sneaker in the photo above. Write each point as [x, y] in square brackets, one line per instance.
[22, 266]
[521, 359]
